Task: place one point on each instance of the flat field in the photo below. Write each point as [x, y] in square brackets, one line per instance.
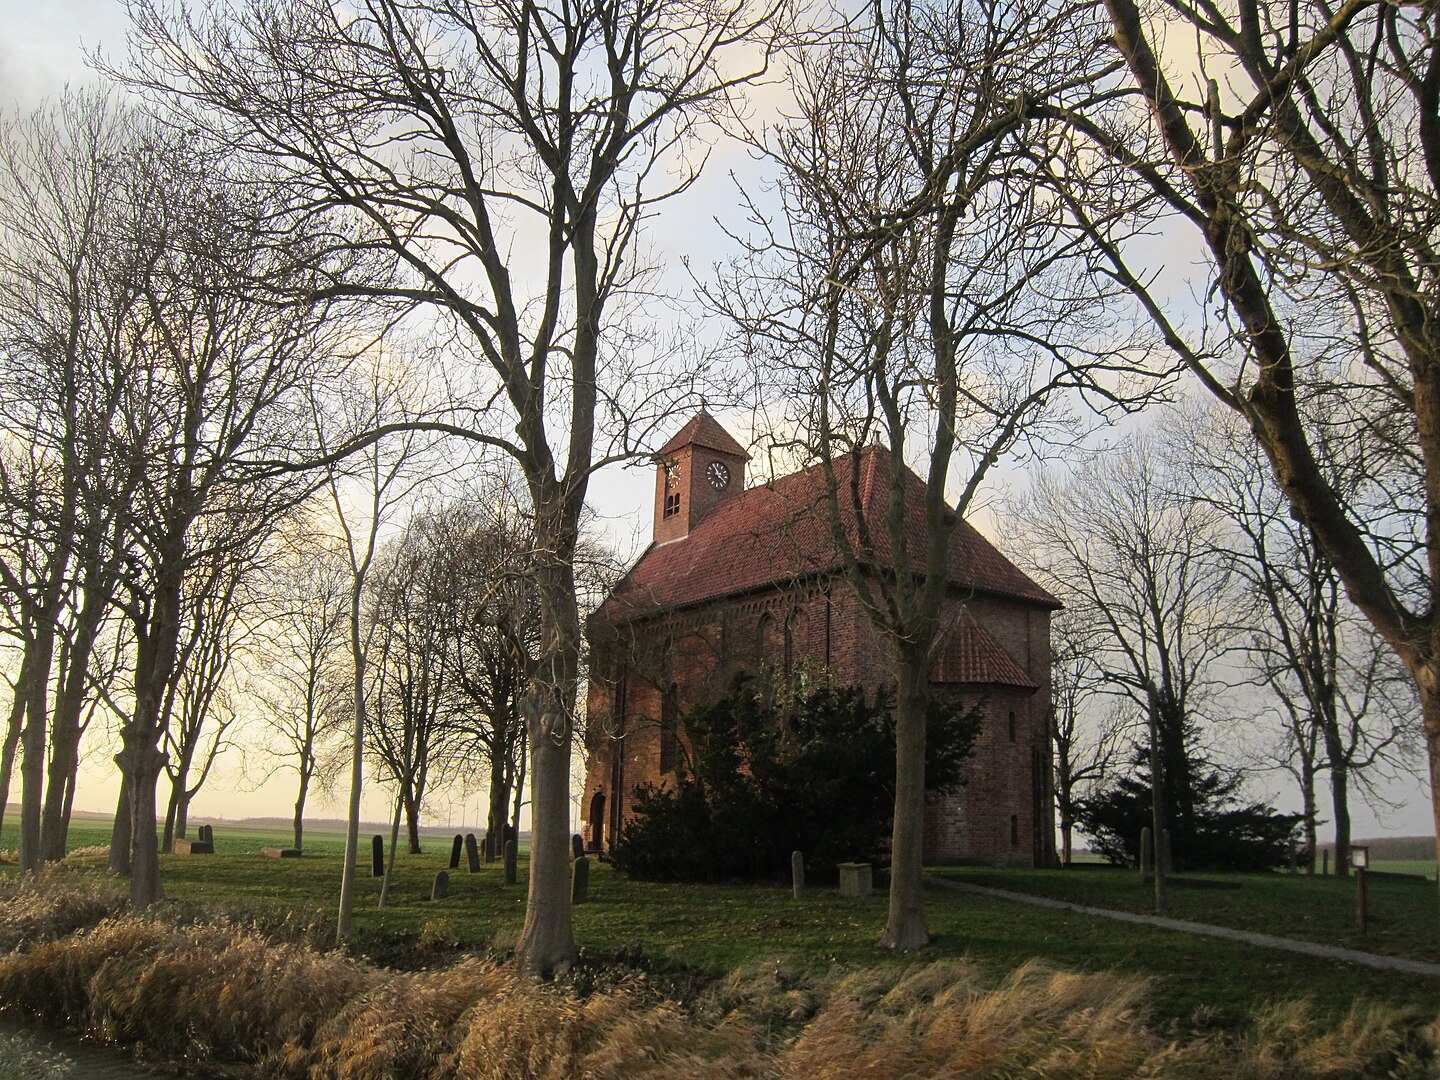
[688, 933]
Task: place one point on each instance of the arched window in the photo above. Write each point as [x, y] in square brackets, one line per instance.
[768, 646]
[669, 729]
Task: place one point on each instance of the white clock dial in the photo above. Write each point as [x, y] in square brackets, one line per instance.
[718, 474]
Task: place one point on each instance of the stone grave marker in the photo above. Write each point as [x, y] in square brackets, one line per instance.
[855, 879]
[377, 856]
[455, 848]
[472, 852]
[510, 862]
[580, 882]
[577, 846]
[441, 888]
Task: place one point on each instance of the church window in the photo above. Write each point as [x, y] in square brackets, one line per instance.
[669, 729]
[672, 504]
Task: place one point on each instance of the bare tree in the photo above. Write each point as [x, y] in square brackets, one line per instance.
[218, 368]
[1341, 694]
[301, 687]
[913, 295]
[504, 156]
[366, 491]
[1304, 162]
[1087, 731]
[409, 730]
[65, 282]
[1140, 560]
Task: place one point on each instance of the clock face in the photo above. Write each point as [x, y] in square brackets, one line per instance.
[718, 473]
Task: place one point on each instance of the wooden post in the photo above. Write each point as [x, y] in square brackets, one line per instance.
[797, 874]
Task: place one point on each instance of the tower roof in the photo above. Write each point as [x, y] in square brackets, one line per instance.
[704, 430]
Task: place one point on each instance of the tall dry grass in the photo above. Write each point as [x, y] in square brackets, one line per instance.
[221, 991]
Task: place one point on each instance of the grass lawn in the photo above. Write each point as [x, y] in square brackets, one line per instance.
[709, 930]
[1404, 913]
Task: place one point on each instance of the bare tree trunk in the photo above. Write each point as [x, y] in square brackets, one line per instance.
[905, 926]
[412, 820]
[12, 742]
[60, 791]
[172, 806]
[119, 861]
[300, 809]
[1157, 807]
[32, 746]
[357, 771]
[394, 844]
[1308, 807]
[498, 813]
[547, 941]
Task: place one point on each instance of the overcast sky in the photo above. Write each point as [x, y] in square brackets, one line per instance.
[43, 47]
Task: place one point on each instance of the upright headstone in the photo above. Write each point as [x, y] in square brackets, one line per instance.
[377, 855]
[487, 845]
[441, 888]
[510, 862]
[1147, 854]
[472, 852]
[455, 848]
[207, 834]
[580, 883]
[797, 874]
[577, 846]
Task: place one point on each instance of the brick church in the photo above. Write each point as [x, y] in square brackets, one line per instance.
[741, 578]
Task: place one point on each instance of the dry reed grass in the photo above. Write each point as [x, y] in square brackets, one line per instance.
[228, 992]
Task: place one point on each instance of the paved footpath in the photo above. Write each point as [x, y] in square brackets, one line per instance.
[1264, 941]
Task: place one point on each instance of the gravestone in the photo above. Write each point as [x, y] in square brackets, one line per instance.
[472, 852]
[193, 847]
[580, 883]
[577, 846]
[455, 849]
[441, 888]
[855, 879]
[280, 853]
[207, 835]
[510, 862]
[377, 856]
[797, 874]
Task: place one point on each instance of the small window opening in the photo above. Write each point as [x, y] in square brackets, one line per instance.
[672, 505]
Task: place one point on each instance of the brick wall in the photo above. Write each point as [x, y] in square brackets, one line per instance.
[1003, 813]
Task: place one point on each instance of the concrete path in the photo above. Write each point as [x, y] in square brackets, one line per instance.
[1264, 941]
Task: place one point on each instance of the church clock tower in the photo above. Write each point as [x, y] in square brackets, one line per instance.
[698, 469]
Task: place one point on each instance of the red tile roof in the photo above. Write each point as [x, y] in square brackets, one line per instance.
[970, 655]
[704, 430]
[780, 531]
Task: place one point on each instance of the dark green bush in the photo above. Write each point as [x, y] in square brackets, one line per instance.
[809, 770]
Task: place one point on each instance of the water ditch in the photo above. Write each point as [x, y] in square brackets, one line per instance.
[33, 1052]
